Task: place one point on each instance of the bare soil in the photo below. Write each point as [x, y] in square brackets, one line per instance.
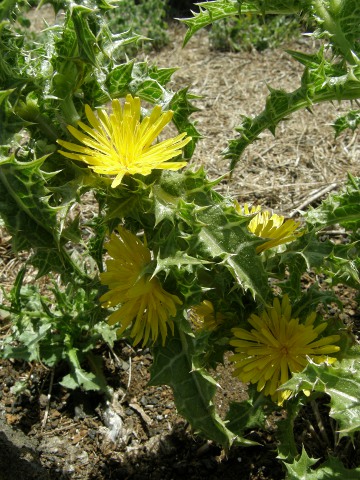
[48, 432]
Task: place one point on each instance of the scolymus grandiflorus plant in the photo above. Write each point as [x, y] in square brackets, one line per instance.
[163, 259]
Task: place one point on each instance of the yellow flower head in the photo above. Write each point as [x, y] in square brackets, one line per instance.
[204, 317]
[270, 226]
[277, 346]
[122, 144]
[142, 299]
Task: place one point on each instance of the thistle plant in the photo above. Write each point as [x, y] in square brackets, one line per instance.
[164, 260]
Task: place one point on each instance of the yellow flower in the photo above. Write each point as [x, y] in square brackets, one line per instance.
[277, 346]
[141, 297]
[270, 226]
[204, 317]
[121, 144]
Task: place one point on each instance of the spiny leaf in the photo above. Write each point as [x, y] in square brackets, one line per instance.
[85, 38]
[214, 230]
[193, 388]
[24, 206]
[181, 105]
[341, 382]
[209, 12]
[350, 120]
[339, 208]
[331, 469]
[119, 78]
[22, 185]
[245, 415]
[216, 10]
[300, 469]
[323, 81]
[287, 449]
[310, 253]
[340, 21]
[179, 260]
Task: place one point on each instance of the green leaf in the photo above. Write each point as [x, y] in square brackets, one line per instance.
[287, 449]
[215, 232]
[183, 108]
[339, 20]
[107, 332]
[331, 469]
[208, 14]
[245, 415]
[80, 378]
[311, 298]
[300, 469]
[30, 337]
[341, 382]
[226, 237]
[86, 40]
[193, 388]
[322, 81]
[216, 10]
[119, 78]
[179, 260]
[29, 217]
[338, 262]
[350, 120]
[339, 208]
[4, 94]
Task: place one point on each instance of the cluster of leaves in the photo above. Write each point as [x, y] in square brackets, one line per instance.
[147, 18]
[249, 32]
[202, 249]
[63, 327]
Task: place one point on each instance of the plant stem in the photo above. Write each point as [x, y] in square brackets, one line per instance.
[70, 113]
[334, 28]
[320, 423]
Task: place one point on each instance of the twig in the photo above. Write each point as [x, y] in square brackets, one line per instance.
[320, 423]
[46, 414]
[128, 384]
[120, 363]
[118, 360]
[140, 411]
[319, 193]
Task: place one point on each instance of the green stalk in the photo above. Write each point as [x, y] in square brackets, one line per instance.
[6, 8]
[277, 111]
[70, 113]
[334, 27]
[30, 112]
